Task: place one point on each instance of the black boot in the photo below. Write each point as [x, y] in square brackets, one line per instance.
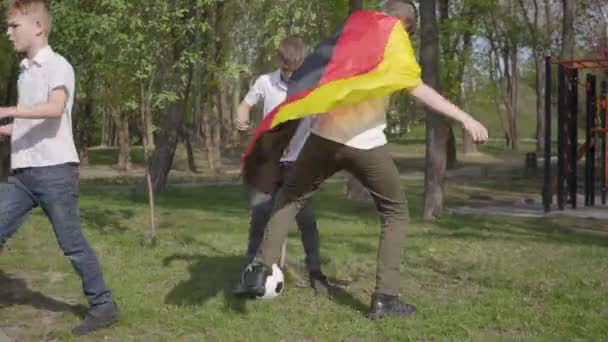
[253, 281]
[98, 317]
[384, 305]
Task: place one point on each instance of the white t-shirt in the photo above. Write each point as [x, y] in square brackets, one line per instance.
[269, 88]
[360, 125]
[44, 142]
[273, 91]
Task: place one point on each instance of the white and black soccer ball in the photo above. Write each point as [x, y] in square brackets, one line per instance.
[274, 283]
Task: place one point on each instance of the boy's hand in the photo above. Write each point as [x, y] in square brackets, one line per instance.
[476, 130]
[6, 112]
[242, 125]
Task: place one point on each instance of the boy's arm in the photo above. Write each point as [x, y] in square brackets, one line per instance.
[6, 130]
[242, 123]
[52, 109]
[441, 105]
[255, 94]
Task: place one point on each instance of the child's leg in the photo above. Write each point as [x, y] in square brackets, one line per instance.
[16, 202]
[315, 163]
[376, 170]
[261, 206]
[57, 188]
[307, 225]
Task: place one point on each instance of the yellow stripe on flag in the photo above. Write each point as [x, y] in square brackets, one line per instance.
[398, 70]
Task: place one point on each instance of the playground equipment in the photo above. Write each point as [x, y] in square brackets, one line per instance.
[564, 184]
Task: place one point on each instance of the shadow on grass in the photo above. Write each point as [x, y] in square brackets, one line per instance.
[209, 276]
[106, 220]
[14, 291]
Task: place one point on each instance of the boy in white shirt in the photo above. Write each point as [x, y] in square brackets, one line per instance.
[272, 89]
[44, 160]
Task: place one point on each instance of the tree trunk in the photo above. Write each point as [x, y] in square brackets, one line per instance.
[85, 131]
[149, 129]
[437, 130]
[212, 128]
[171, 120]
[569, 7]
[451, 149]
[355, 5]
[236, 98]
[226, 122]
[513, 97]
[190, 151]
[540, 105]
[104, 130]
[10, 98]
[121, 120]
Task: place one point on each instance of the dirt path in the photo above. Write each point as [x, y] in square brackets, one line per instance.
[4, 337]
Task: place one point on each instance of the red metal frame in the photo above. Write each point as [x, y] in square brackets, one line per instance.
[578, 64]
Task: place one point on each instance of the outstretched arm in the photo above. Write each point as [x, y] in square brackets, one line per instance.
[441, 105]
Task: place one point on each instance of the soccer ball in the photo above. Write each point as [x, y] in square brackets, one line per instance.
[274, 283]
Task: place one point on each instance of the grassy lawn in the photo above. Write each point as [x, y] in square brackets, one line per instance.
[472, 278]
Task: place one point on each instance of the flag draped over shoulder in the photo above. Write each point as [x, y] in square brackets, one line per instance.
[370, 56]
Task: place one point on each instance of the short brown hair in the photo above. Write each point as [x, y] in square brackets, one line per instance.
[29, 6]
[292, 51]
[405, 10]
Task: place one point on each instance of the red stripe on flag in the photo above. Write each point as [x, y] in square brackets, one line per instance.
[361, 46]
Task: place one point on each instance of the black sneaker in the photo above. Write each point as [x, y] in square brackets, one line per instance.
[384, 305]
[319, 283]
[253, 281]
[98, 317]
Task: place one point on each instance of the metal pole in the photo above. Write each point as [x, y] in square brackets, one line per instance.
[547, 191]
[561, 135]
[604, 117]
[593, 114]
[589, 151]
[572, 137]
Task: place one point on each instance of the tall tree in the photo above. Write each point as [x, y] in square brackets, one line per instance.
[568, 34]
[437, 129]
[537, 40]
[457, 19]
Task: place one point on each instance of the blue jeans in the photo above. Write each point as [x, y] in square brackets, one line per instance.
[261, 208]
[55, 190]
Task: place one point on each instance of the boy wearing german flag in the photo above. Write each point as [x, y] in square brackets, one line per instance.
[347, 81]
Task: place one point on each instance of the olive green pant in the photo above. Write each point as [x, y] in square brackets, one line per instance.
[375, 169]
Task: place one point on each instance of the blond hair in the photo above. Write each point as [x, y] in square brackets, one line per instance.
[39, 8]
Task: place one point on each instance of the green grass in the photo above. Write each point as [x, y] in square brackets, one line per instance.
[472, 278]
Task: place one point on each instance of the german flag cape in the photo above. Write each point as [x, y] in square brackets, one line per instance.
[370, 56]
